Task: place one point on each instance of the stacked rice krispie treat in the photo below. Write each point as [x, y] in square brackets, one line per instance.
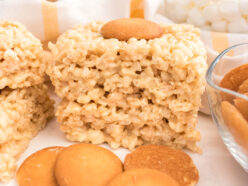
[129, 93]
[25, 105]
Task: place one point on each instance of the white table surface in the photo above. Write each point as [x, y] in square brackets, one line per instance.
[216, 165]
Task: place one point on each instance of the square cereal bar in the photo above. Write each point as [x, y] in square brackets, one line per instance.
[129, 93]
[21, 57]
[23, 112]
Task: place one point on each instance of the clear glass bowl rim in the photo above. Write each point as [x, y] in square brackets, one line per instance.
[211, 69]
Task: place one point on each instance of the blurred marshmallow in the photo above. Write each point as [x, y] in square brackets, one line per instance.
[238, 26]
[220, 26]
[196, 18]
[229, 10]
[211, 13]
[217, 15]
[243, 6]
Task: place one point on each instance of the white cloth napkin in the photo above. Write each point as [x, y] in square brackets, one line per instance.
[37, 15]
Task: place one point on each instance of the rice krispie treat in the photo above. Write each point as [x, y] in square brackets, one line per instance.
[23, 112]
[133, 92]
[21, 53]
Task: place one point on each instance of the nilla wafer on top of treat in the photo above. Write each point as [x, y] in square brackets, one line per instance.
[129, 88]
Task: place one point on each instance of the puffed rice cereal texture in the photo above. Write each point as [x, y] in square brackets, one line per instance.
[23, 112]
[129, 93]
[21, 57]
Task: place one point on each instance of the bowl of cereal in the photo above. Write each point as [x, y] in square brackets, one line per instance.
[227, 90]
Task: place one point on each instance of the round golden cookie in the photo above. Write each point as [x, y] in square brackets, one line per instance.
[38, 168]
[242, 106]
[236, 123]
[126, 28]
[173, 162]
[142, 177]
[243, 88]
[233, 79]
[85, 165]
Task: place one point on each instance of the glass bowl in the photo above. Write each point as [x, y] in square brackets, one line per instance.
[226, 113]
